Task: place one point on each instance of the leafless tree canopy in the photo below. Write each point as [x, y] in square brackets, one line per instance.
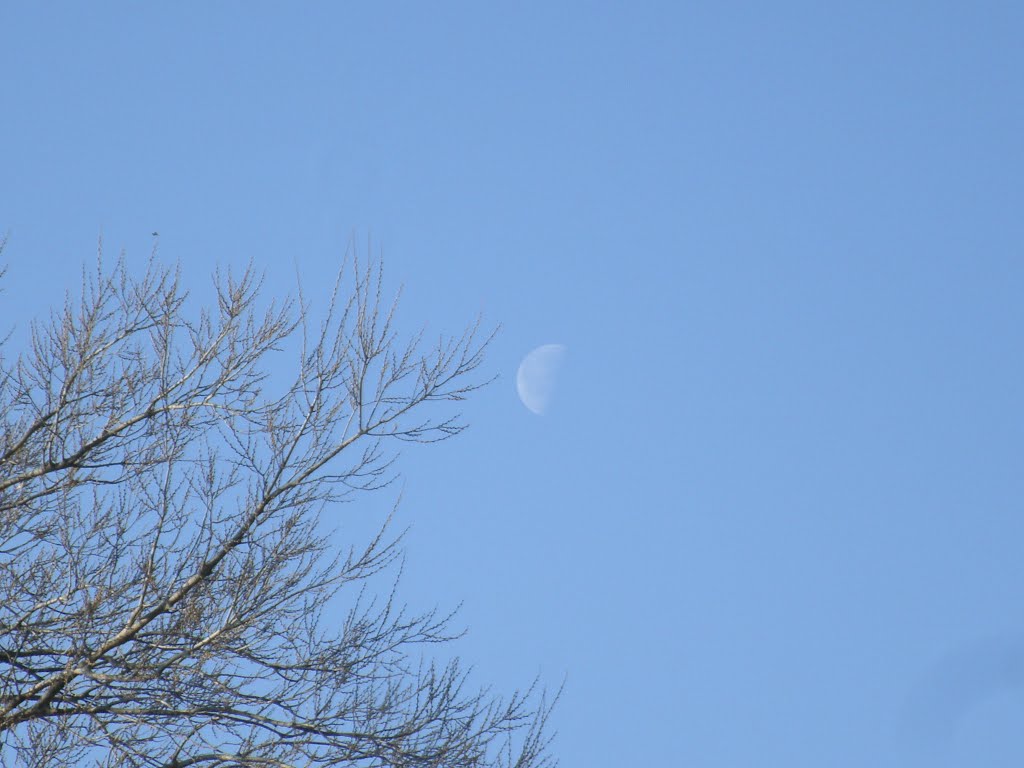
[168, 596]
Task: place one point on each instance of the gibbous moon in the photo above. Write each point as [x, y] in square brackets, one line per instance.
[538, 375]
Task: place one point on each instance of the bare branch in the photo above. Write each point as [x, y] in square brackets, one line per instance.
[165, 586]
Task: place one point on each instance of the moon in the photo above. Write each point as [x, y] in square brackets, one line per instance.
[538, 375]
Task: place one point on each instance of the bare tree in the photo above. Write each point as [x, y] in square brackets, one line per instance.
[168, 596]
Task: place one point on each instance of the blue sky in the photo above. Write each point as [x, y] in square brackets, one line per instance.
[773, 516]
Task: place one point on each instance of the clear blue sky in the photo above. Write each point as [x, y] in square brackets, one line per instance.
[774, 517]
